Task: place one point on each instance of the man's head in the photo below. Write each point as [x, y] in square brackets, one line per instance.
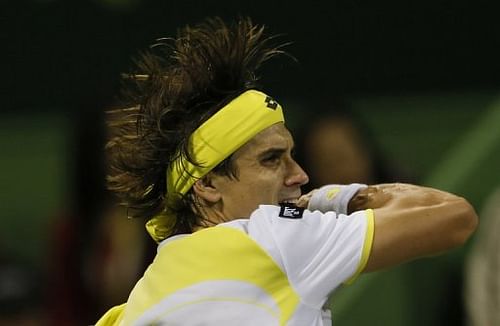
[176, 92]
[266, 174]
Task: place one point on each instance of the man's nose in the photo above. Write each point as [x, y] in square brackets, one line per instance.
[296, 175]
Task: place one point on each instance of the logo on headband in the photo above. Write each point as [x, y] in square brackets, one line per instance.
[272, 104]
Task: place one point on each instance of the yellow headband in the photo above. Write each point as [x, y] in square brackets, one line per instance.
[214, 141]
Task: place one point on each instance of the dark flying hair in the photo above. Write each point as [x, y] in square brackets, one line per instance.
[176, 86]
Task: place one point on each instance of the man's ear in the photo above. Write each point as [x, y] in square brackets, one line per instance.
[204, 189]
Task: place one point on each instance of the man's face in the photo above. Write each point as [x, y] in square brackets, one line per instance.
[267, 174]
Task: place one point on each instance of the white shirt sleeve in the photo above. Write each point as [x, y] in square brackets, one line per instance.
[317, 251]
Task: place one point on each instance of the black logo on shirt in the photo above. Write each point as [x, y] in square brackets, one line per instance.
[291, 211]
[272, 104]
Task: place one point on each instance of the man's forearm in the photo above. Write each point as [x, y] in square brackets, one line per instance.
[410, 221]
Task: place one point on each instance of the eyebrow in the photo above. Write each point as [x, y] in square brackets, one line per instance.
[278, 149]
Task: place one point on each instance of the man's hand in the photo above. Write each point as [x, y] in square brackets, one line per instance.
[304, 199]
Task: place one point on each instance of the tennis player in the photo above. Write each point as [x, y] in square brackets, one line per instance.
[203, 152]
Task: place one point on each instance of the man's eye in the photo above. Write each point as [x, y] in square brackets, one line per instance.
[271, 159]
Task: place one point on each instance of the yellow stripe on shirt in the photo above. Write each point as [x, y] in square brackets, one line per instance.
[198, 258]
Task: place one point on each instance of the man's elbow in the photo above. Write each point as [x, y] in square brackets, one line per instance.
[465, 221]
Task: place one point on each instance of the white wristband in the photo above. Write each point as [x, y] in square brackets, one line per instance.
[334, 197]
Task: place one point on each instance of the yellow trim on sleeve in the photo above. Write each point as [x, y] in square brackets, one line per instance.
[367, 246]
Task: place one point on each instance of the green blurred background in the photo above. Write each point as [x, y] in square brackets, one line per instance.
[424, 77]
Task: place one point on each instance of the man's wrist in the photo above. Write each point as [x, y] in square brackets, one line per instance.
[335, 198]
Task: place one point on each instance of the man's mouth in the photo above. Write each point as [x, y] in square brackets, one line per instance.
[289, 201]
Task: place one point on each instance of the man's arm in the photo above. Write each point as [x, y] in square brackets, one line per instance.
[413, 221]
